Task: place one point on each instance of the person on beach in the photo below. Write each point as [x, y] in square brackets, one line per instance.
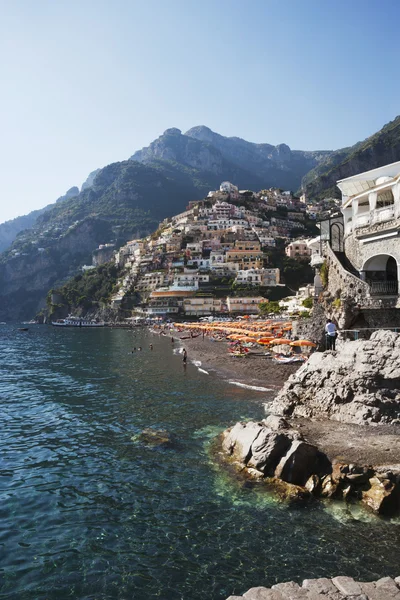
[184, 358]
[172, 340]
[330, 334]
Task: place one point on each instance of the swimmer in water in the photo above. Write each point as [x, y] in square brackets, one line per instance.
[184, 359]
[134, 350]
[151, 346]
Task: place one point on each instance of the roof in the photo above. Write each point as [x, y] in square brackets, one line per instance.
[362, 182]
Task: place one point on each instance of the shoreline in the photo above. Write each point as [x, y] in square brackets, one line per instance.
[255, 371]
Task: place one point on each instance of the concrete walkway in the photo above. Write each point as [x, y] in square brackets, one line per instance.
[338, 588]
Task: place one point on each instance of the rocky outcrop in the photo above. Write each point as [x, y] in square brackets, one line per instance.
[337, 588]
[360, 384]
[272, 450]
[379, 149]
[247, 164]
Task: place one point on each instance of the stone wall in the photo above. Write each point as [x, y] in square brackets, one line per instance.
[338, 588]
[358, 253]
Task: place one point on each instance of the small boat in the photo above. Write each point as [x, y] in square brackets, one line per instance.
[77, 322]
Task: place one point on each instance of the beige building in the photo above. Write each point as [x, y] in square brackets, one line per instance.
[298, 250]
[199, 306]
[244, 306]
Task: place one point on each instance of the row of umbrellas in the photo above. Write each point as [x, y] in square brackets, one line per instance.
[265, 332]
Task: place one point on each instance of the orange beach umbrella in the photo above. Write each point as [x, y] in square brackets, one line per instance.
[303, 343]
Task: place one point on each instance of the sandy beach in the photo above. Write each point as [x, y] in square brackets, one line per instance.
[251, 370]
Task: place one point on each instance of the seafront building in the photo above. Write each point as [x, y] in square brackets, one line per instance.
[361, 248]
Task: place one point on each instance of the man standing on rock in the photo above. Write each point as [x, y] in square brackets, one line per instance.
[330, 331]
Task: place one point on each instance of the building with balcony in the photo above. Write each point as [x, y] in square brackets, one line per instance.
[361, 249]
[244, 306]
[201, 306]
[371, 215]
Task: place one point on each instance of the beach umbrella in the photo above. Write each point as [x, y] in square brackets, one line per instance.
[280, 341]
[303, 343]
[263, 342]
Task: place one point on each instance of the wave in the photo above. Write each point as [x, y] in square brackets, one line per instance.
[203, 371]
[250, 387]
[197, 363]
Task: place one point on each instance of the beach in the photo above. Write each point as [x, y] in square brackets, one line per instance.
[254, 370]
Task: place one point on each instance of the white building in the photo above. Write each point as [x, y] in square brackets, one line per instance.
[227, 186]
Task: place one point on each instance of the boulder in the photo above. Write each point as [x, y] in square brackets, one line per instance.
[239, 439]
[267, 449]
[298, 463]
[322, 587]
[290, 590]
[312, 484]
[329, 487]
[289, 491]
[360, 384]
[382, 496]
[262, 593]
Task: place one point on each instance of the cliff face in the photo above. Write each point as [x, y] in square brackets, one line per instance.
[246, 164]
[25, 279]
[10, 229]
[380, 149]
[125, 200]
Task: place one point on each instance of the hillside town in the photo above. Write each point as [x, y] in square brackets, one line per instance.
[214, 258]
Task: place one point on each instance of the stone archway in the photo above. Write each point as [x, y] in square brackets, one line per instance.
[381, 273]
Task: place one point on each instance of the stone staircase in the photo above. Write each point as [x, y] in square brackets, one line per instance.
[346, 264]
[338, 588]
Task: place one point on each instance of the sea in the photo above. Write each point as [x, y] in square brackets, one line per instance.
[91, 510]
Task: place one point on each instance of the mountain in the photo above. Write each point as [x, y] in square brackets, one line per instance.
[247, 164]
[10, 229]
[126, 200]
[379, 149]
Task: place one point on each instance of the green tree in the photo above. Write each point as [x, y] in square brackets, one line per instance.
[308, 302]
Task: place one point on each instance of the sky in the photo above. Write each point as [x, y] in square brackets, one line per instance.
[85, 83]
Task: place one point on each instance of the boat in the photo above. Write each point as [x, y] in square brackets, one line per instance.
[77, 322]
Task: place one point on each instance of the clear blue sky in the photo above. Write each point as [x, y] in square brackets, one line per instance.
[87, 82]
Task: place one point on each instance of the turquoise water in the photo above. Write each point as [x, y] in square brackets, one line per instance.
[89, 512]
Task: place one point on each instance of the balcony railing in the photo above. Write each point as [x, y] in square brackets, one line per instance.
[379, 215]
[383, 288]
[384, 214]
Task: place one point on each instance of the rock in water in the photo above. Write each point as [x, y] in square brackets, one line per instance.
[157, 437]
[382, 496]
[360, 384]
[298, 464]
[267, 449]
